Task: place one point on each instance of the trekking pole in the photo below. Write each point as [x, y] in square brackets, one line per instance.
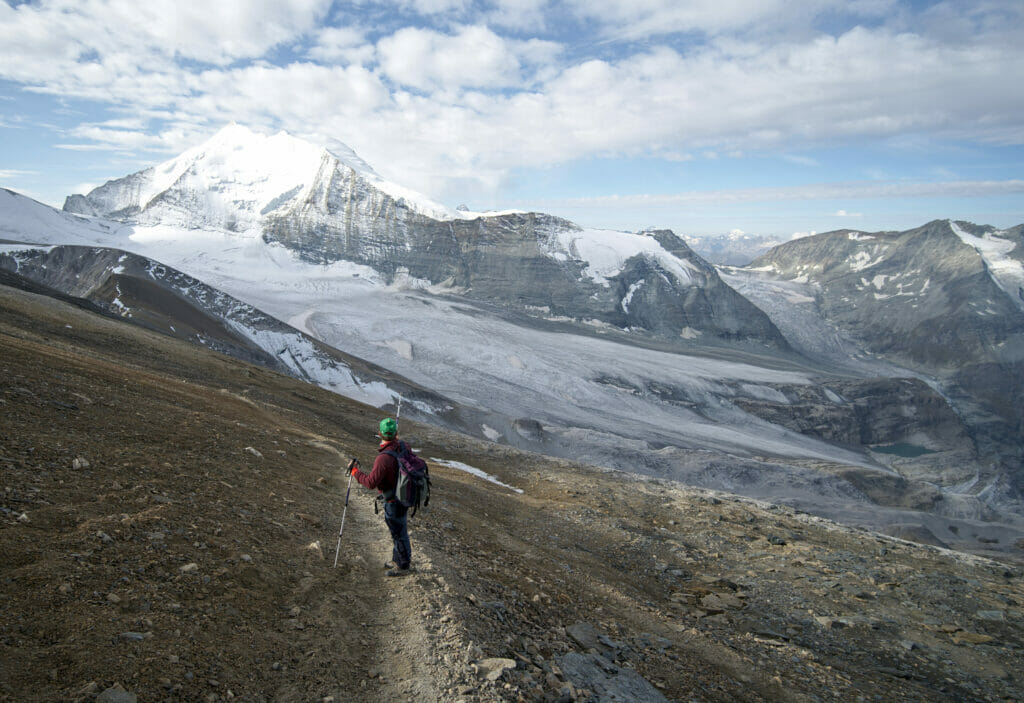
[337, 551]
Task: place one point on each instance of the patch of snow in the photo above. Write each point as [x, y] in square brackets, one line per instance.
[862, 260]
[765, 393]
[833, 397]
[299, 355]
[490, 433]
[1007, 272]
[629, 295]
[401, 347]
[797, 298]
[404, 281]
[858, 236]
[690, 333]
[475, 472]
[122, 309]
[301, 321]
[605, 252]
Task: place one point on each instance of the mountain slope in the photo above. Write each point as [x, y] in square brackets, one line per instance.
[191, 555]
[922, 297]
[328, 210]
[939, 300]
[165, 300]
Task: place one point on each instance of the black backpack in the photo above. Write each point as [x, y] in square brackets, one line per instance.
[413, 486]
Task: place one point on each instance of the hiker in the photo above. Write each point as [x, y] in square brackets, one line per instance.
[384, 477]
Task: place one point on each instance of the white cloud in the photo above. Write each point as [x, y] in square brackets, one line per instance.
[644, 18]
[433, 107]
[519, 14]
[815, 191]
[215, 32]
[436, 7]
[427, 60]
[341, 44]
[300, 96]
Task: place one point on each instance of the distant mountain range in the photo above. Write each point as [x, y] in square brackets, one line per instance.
[853, 374]
[733, 249]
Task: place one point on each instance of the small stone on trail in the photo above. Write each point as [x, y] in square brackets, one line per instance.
[255, 452]
[88, 689]
[23, 517]
[116, 694]
[990, 615]
[189, 568]
[971, 638]
[829, 623]
[585, 634]
[79, 462]
[113, 598]
[246, 558]
[492, 669]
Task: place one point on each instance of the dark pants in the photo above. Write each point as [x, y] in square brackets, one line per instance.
[396, 518]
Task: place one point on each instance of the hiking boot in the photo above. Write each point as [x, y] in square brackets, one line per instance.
[399, 572]
[390, 565]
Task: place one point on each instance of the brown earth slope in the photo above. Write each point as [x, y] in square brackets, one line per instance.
[169, 517]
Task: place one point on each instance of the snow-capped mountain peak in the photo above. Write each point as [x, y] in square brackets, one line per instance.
[238, 177]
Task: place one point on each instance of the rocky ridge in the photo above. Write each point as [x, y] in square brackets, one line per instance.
[168, 519]
[924, 297]
[326, 209]
[942, 301]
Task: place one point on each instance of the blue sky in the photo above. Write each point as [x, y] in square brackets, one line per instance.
[769, 116]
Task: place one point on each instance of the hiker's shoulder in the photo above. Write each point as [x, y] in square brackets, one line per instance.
[386, 453]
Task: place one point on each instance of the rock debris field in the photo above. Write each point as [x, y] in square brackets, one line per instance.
[169, 519]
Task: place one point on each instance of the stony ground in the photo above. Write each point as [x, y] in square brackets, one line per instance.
[169, 520]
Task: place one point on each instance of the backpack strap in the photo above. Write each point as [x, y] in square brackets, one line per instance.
[390, 495]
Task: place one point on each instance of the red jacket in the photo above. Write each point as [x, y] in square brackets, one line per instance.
[384, 476]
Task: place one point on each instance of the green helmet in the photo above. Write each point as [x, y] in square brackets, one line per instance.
[388, 428]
